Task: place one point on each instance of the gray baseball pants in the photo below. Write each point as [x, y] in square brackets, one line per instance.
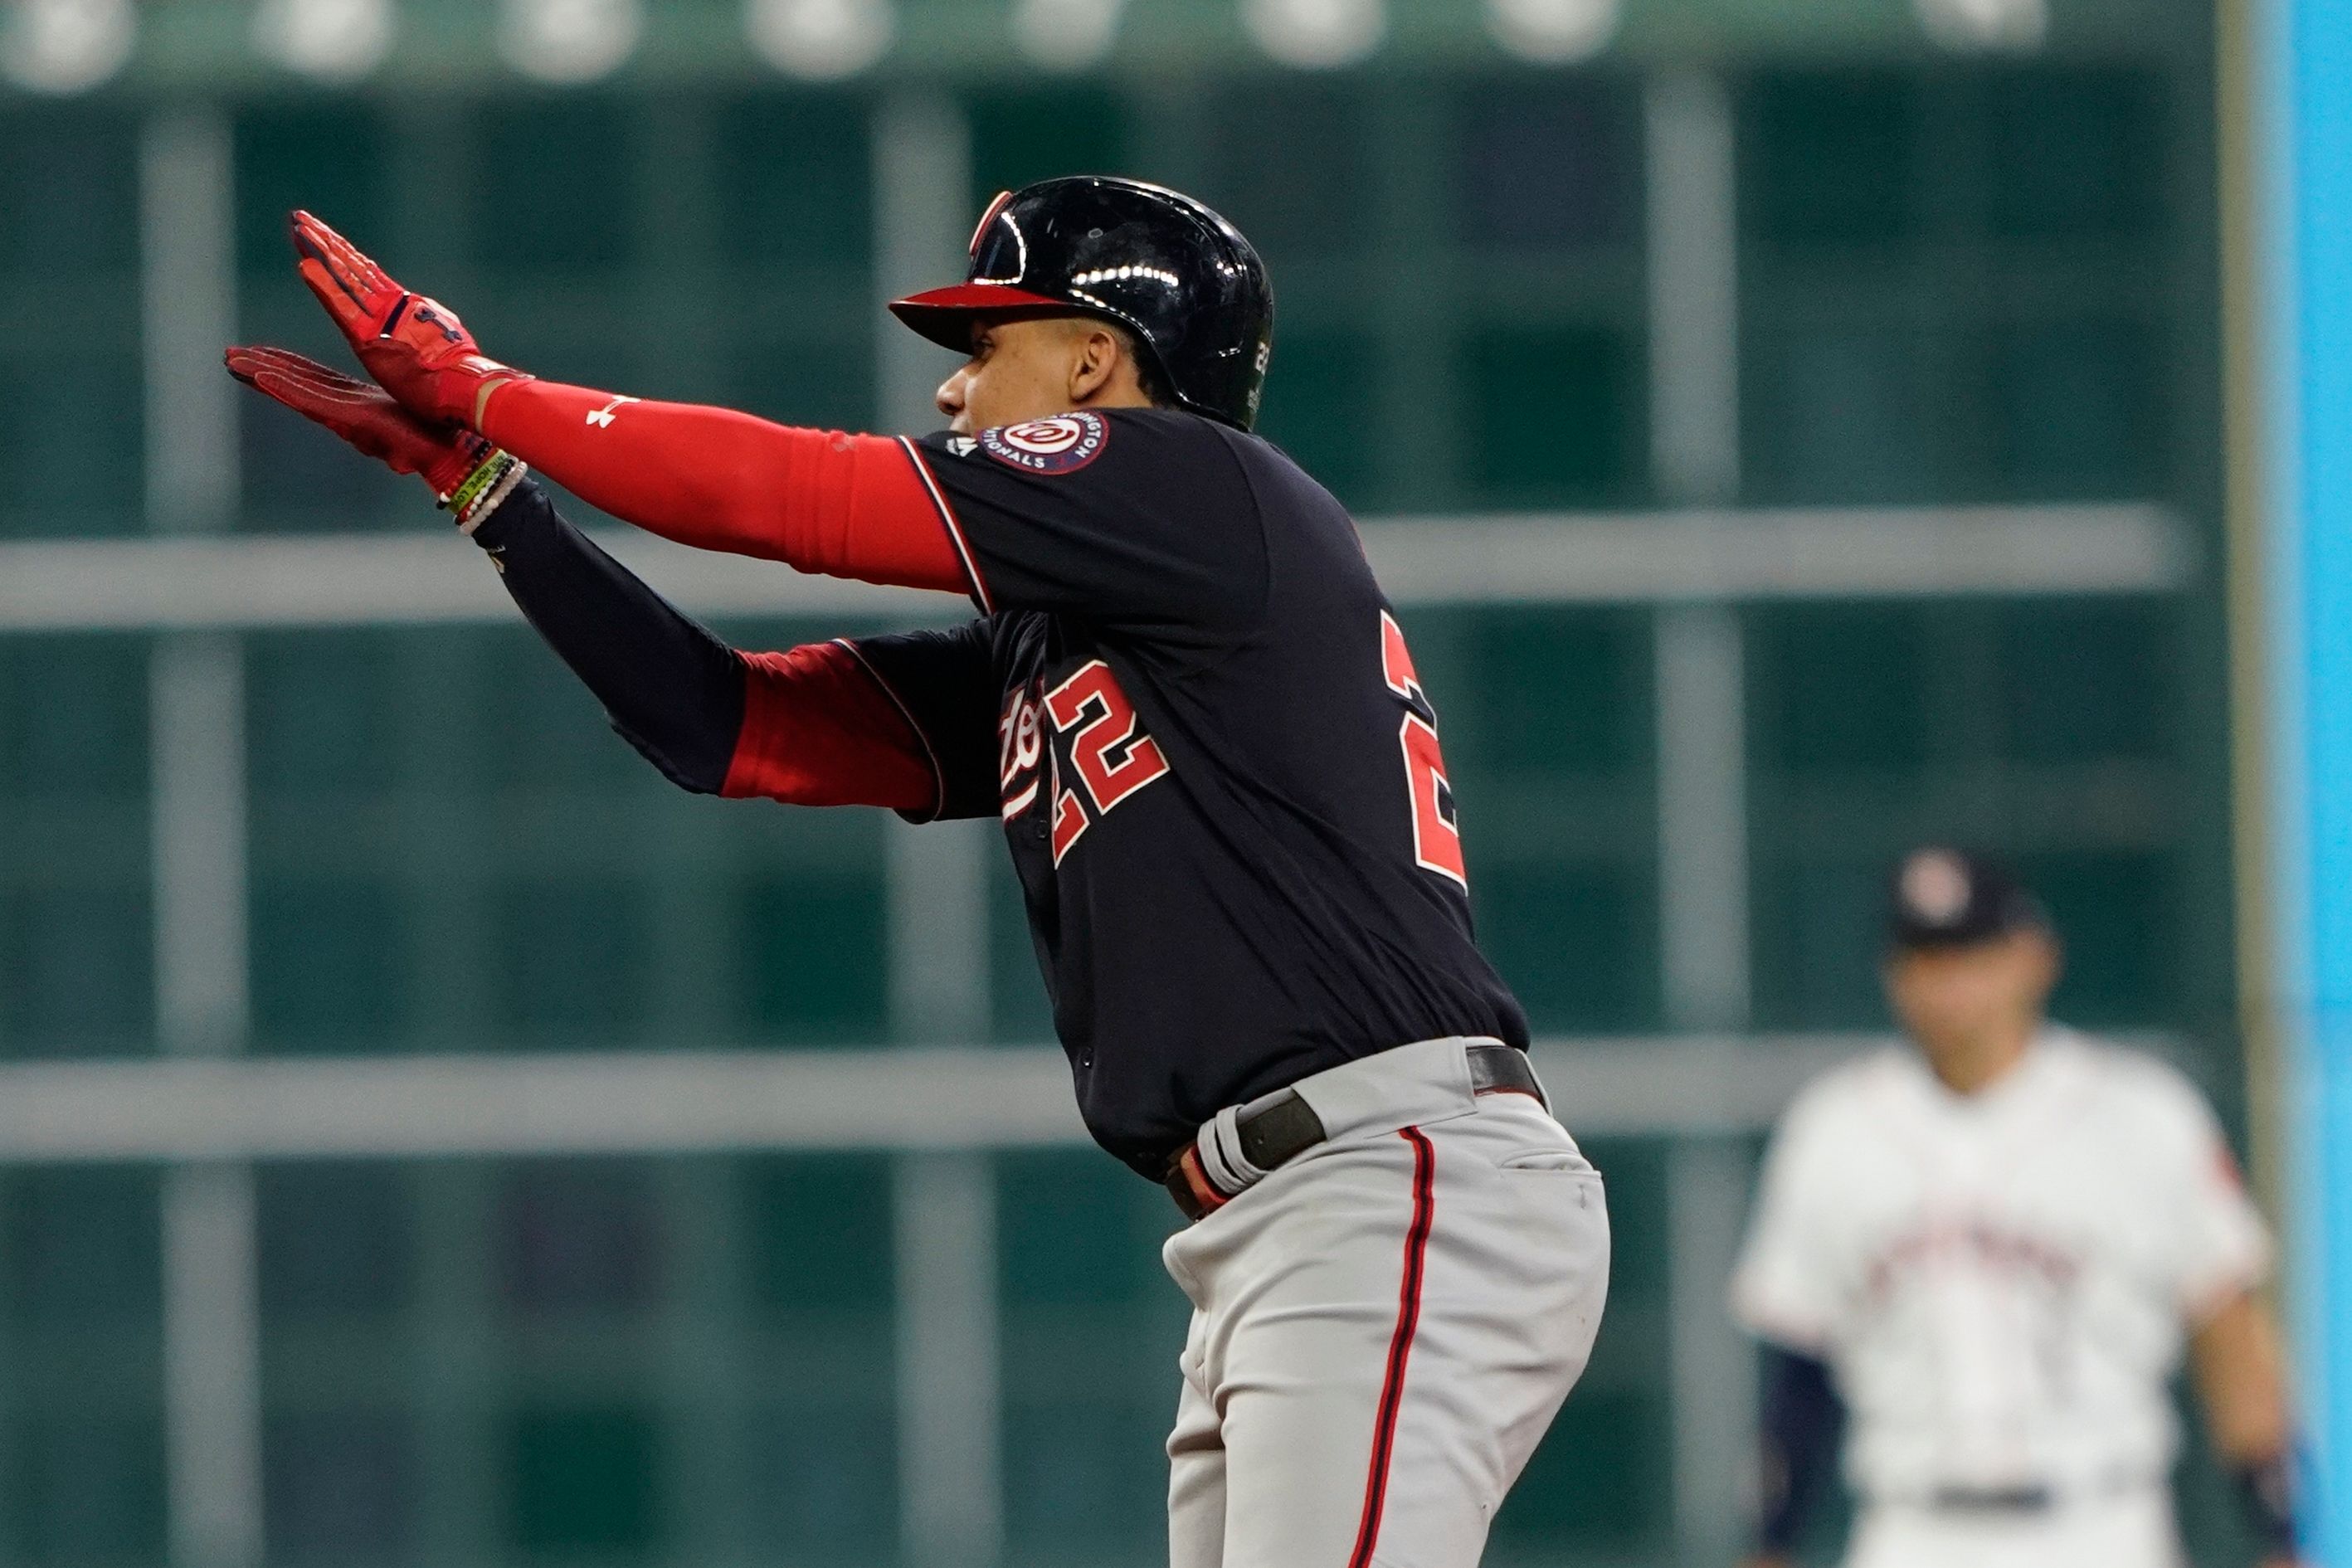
[1382, 1328]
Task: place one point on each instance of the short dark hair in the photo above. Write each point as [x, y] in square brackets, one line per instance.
[1148, 376]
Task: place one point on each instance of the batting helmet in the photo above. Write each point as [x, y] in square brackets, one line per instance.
[1182, 279]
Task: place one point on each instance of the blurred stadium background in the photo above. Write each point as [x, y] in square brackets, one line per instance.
[1791, 430]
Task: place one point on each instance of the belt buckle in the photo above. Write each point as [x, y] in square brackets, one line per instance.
[1194, 1193]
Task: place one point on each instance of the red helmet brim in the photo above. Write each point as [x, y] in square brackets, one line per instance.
[945, 315]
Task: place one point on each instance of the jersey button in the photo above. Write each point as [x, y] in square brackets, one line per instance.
[1086, 1060]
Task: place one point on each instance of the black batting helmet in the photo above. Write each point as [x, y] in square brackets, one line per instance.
[1182, 279]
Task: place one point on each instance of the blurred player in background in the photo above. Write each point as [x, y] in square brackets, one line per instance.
[1194, 717]
[1978, 1260]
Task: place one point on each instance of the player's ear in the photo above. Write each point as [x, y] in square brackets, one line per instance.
[2046, 960]
[1096, 364]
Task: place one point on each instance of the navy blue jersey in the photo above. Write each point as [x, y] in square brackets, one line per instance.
[1221, 781]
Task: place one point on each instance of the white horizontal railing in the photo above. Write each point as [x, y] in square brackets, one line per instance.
[299, 580]
[916, 1098]
[1729, 555]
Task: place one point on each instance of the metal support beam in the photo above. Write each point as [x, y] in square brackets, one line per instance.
[212, 1366]
[951, 1515]
[923, 197]
[1702, 762]
[1702, 818]
[945, 1211]
[938, 891]
[1693, 268]
[945, 1203]
[1713, 1387]
[197, 809]
[196, 701]
[187, 315]
[212, 1394]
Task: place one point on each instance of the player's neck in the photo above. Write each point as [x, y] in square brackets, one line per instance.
[1124, 393]
[1973, 1065]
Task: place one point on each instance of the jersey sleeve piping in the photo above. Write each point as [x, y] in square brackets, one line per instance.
[930, 753]
[980, 594]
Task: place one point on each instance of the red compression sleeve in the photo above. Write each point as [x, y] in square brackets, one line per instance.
[819, 729]
[847, 506]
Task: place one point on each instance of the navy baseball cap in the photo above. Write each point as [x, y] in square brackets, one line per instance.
[1944, 898]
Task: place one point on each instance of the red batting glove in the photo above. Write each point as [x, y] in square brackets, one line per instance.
[416, 349]
[364, 416]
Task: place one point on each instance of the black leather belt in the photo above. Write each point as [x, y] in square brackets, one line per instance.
[2023, 1498]
[1287, 1127]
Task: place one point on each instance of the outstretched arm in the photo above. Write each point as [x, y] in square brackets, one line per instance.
[813, 726]
[848, 506]
[810, 726]
[2241, 1377]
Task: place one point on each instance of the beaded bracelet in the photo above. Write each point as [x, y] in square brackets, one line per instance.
[479, 493]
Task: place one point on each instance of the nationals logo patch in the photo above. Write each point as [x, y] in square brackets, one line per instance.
[1062, 445]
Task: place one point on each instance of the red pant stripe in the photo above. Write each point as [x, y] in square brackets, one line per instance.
[1416, 1254]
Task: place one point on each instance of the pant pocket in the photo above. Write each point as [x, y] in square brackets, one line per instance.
[1550, 1162]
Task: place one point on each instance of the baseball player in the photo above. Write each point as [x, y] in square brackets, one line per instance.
[1980, 1258]
[1219, 778]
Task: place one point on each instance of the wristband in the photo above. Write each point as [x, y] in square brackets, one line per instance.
[2267, 1489]
[477, 495]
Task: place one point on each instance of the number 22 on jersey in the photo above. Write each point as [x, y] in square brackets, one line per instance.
[1437, 832]
[1108, 751]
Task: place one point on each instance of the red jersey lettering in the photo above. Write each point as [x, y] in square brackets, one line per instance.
[1437, 832]
[1109, 752]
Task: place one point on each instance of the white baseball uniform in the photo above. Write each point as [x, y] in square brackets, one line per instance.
[1383, 1327]
[2000, 1284]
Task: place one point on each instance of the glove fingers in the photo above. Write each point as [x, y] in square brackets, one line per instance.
[262, 357]
[335, 399]
[352, 288]
[351, 265]
[242, 361]
[357, 425]
[350, 314]
[361, 267]
[416, 350]
[315, 241]
[282, 386]
[296, 370]
[360, 414]
[287, 394]
[267, 372]
[317, 388]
